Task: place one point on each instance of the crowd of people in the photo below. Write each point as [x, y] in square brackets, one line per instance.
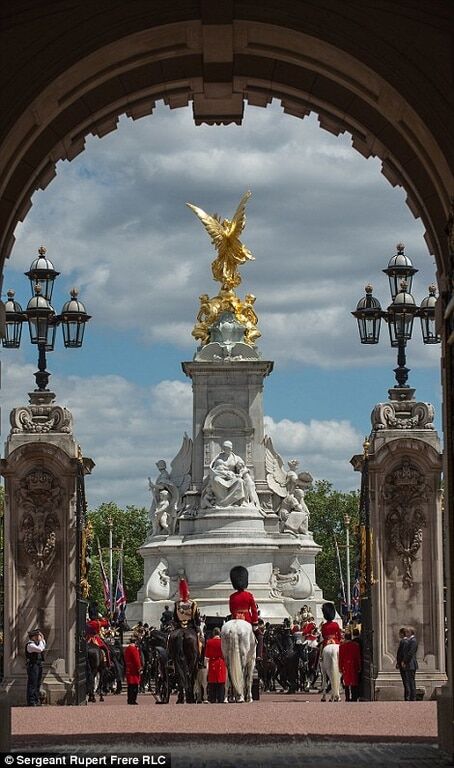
[129, 662]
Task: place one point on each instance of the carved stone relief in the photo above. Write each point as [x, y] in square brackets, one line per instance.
[408, 414]
[296, 583]
[404, 491]
[38, 499]
[41, 418]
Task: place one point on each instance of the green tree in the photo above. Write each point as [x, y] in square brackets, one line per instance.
[327, 509]
[129, 525]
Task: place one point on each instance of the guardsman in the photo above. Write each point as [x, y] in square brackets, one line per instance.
[330, 629]
[242, 603]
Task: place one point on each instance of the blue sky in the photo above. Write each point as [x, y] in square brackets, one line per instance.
[322, 222]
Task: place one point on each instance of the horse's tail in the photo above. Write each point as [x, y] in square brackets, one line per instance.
[336, 672]
[235, 668]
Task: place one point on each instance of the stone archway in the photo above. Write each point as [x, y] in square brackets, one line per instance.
[380, 70]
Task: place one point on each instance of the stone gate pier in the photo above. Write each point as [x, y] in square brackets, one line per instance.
[43, 470]
[404, 469]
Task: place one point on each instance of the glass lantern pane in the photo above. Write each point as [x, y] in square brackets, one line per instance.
[13, 333]
[73, 333]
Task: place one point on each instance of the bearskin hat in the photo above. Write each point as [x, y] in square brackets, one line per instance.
[328, 611]
[184, 590]
[239, 577]
[93, 610]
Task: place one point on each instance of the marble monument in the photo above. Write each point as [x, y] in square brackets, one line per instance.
[228, 499]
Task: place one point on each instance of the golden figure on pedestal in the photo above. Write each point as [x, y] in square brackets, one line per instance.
[225, 238]
[231, 253]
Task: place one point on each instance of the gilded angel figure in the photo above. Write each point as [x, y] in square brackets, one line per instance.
[225, 238]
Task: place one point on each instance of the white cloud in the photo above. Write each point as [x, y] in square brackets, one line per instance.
[324, 448]
[322, 222]
[124, 428]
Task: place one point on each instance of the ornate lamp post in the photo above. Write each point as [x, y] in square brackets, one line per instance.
[399, 316]
[41, 317]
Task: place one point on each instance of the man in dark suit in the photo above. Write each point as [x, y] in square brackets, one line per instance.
[400, 656]
[409, 664]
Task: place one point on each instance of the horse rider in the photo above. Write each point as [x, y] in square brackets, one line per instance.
[330, 629]
[166, 618]
[95, 628]
[186, 615]
[242, 604]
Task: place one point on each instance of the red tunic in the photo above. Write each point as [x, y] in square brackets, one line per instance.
[350, 662]
[133, 664]
[331, 630]
[217, 671]
[310, 630]
[243, 606]
[92, 631]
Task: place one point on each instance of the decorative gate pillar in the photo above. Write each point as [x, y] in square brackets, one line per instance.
[404, 466]
[42, 469]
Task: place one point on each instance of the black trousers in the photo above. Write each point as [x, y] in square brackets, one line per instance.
[34, 677]
[351, 692]
[133, 690]
[216, 693]
[408, 679]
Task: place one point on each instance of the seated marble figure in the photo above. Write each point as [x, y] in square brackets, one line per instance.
[228, 482]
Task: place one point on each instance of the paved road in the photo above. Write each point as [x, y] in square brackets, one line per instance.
[276, 732]
[297, 754]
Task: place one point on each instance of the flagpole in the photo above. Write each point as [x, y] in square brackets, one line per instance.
[340, 570]
[110, 522]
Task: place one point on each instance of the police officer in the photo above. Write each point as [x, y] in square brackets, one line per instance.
[34, 654]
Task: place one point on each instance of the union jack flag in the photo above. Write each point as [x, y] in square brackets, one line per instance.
[120, 594]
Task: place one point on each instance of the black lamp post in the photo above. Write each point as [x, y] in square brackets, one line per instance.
[400, 314]
[41, 317]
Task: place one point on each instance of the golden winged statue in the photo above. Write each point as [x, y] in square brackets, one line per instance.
[225, 238]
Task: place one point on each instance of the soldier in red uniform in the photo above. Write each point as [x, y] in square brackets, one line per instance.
[242, 604]
[331, 631]
[350, 666]
[133, 671]
[309, 629]
[94, 629]
[217, 671]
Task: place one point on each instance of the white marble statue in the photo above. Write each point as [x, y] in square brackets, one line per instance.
[288, 487]
[294, 514]
[175, 483]
[161, 518]
[228, 482]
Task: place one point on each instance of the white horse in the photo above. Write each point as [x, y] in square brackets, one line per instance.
[238, 649]
[329, 665]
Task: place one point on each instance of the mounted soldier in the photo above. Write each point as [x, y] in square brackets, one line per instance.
[242, 604]
[185, 643]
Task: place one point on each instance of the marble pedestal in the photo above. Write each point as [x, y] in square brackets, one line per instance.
[205, 550]
[228, 405]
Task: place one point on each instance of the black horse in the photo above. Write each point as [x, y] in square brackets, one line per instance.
[154, 651]
[118, 665]
[267, 666]
[291, 660]
[184, 655]
[95, 671]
